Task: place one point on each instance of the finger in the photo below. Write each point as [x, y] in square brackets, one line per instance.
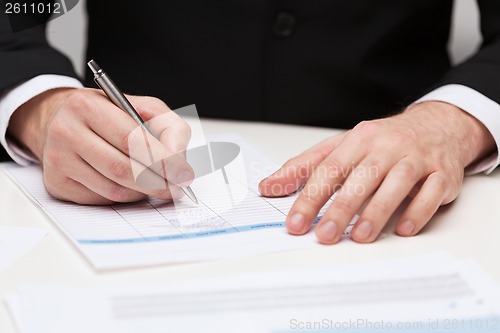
[324, 181]
[424, 205]
[148, 107]
[295, 172]
[77, 181]
[120, 169]
[154, 155]
[394, 189]
[175, 133]
[67, 189]
[92, 179]
[171, 129]
[359, 185]
[132, 140]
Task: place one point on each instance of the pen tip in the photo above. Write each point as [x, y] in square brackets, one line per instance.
[189, 192]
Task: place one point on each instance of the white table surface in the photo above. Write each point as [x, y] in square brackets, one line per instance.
[468, 228]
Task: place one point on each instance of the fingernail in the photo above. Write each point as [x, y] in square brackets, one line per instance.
[327, 231]
[184, 178]
[296, 222]
[406, 228]
[363, 230]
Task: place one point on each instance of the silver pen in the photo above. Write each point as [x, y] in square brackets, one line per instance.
[118, 98]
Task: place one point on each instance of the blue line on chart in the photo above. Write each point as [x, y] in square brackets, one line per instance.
[198, 234]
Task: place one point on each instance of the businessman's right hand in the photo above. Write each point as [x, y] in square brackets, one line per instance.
[83, 142]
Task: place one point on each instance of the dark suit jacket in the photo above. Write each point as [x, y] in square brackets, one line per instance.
[322, 62]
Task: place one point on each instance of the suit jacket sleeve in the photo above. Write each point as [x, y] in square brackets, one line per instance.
[482, 71]
[25, 54]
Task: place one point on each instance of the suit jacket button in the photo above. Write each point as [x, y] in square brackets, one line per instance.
[284, 24]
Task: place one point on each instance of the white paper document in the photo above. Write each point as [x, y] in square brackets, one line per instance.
[15, 242]
[232, 219]
[431, 293]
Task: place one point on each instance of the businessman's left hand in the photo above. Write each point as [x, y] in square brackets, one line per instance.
[421, 153]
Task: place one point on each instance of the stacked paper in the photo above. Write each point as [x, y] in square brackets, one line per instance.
[430, 293]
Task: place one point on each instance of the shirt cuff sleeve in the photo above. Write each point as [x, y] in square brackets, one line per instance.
[477, 105]
[12, 99]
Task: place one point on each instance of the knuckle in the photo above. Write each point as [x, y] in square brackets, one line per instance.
[439, 183]
[367, 127]
[184, 126]
[118, 193]
[372, 168]
[128, 140]
[380, 207]
[333, 167]
[78, 100]
[52, 159]
[426, 207]
[311, 198]
[407, 170]
[120, 170]
[318, 155]
[297, 172]
[343, 205]
[58, 130]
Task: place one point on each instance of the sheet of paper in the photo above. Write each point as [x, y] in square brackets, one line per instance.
[431, 293]
[232, 219]
[11, 300]
[15, 242]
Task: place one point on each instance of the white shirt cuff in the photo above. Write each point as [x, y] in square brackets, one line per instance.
[477, 105]
[12, 99]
